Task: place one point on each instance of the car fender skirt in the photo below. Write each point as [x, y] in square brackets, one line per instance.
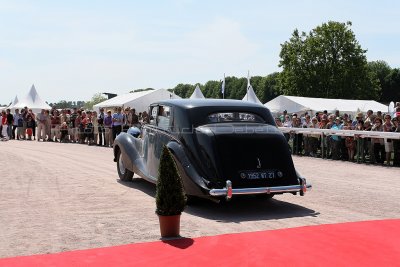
[228, 191]
[192, 181]
[126, 143]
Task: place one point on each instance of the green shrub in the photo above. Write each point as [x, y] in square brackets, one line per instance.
[170, 195]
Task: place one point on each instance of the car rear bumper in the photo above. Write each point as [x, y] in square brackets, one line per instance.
[228, 191]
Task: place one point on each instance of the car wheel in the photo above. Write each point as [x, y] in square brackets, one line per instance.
[123, 173]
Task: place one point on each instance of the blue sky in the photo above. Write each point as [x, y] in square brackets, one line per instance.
[73, 49]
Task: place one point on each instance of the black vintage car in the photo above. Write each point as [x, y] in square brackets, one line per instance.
[222, 148]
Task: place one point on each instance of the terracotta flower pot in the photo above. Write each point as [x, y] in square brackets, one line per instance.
[169, 225]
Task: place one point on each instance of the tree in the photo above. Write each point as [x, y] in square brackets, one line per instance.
[392, 93]
[212, 89]
[328, 62]
[97, 98]
[267, 87]
[183, 90]
[381, 70]
[141, 90]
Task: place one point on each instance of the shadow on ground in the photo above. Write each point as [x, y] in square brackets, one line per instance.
[239, 209]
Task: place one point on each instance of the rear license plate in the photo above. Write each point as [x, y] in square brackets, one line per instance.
[266, 174]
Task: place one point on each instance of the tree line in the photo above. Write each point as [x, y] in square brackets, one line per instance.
[328, 62]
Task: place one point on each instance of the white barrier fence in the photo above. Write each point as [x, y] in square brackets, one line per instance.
[361, 135]
[353, 133]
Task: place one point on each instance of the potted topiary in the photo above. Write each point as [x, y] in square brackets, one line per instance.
[170, 196]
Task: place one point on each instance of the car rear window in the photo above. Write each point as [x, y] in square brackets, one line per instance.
[234, 117]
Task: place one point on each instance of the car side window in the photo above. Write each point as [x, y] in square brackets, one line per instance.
[153, 115]
[164, 117]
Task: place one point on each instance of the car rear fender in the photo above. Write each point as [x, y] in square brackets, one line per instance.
[194, 184]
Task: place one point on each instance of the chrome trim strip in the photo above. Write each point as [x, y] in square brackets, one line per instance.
[228, 191]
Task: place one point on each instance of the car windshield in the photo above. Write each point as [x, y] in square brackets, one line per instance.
[234, 117]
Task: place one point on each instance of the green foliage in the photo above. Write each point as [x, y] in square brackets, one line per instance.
[184, 90]
[392, 81]
[170, 195]
[235, 88]
[266, 87]
[141, 90]
[212, 89]
[382, 71]
[97, 98]
[328, 62]
[67, 104]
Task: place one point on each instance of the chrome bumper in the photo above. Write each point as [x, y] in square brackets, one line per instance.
[228, 191]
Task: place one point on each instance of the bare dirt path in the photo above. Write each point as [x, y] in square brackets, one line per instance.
[59, 197]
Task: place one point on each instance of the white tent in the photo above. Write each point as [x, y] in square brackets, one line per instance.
[197, 94]
[140, 101]
[14, 102]
[297, 104]
[251, 96]
[32, 100]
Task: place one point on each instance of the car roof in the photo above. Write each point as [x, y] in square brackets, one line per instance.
[197, 103]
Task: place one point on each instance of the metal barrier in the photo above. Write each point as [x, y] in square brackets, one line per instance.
[324, 133]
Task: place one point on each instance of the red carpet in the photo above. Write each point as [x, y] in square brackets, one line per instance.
[370, 243]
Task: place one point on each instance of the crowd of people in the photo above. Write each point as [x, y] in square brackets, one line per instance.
[92, 128]
[69, 125]
[373, 150]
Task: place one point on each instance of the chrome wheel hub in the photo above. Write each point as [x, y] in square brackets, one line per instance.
[121, 166]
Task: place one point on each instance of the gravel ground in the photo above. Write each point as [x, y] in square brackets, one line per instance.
[60, 197]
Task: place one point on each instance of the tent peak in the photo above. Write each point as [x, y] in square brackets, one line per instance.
[197, 94]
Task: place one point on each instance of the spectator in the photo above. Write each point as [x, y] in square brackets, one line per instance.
[117, 120]
[359, 141]
[55, 126]
[297, 138]
[73, 128]
[64, 132]
[10, 121]
[15, 124]
[108, 141]
[396, 142]
[31, 125]
[379, 149]
[336, 140]
[349, 141]
[95, 123]
[359, 117]
[4, 130]
[278, 122]
[24, 113]
[135, 119]
[313, 138]
[287, 123]
[368, 144]
[388, 127]
[306, 137]
[41, 118]
[324, 140]
[146, 119]
[101, 130]
[20, 127]
[283, 116]
[48, 125]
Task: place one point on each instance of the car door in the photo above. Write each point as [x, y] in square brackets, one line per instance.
[162, 135]
[149, 143]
